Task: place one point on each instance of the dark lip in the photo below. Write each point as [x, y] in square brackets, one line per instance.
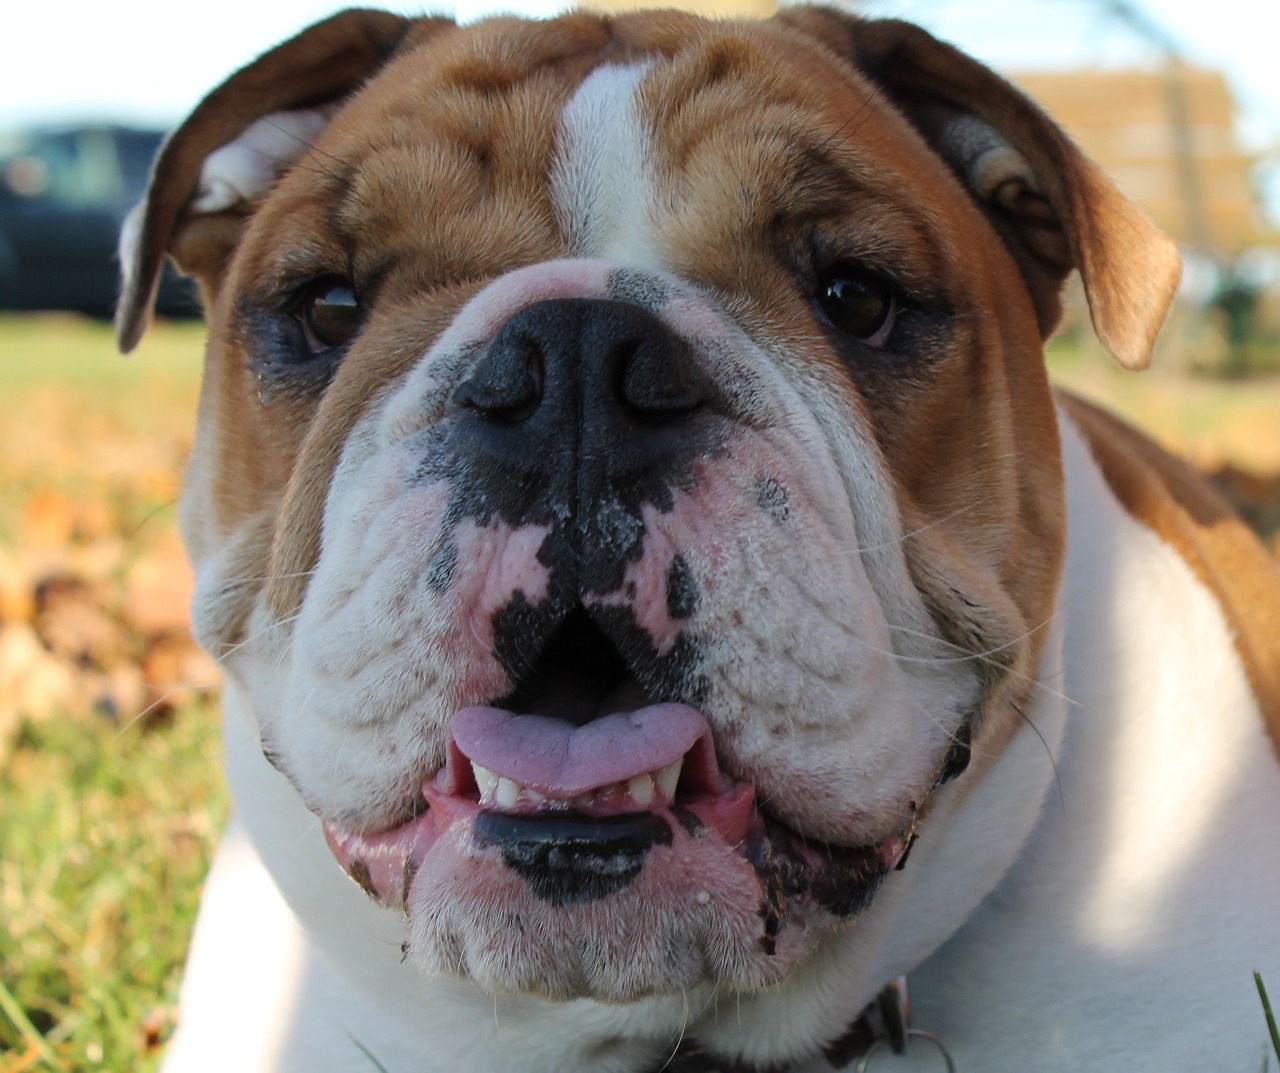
[843, 880]
[576, 657]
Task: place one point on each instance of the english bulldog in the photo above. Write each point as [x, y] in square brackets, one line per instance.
[663, 604]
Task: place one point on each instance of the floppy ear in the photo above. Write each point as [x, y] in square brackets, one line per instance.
[212, 170]
[1052, 206]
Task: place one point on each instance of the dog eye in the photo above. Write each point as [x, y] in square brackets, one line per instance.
[330, 314]
[857, 302]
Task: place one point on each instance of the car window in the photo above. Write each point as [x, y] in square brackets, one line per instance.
[76, 169]
[136, 149]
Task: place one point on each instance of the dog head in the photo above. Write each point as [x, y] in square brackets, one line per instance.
[626, 486]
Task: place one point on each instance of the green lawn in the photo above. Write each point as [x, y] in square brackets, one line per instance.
[1210, 420]
[107, 821]
[98, 887]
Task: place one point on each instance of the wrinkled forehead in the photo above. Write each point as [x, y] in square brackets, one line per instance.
[470, 76]
[666, 143]
[554, 123]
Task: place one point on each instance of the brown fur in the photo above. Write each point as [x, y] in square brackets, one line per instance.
[1075, 219]
[322, 62]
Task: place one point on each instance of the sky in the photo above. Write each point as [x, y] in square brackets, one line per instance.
[150, 61]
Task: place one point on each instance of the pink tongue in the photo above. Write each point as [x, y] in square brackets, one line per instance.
[559, 759]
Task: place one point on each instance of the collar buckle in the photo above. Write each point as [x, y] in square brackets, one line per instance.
[894, 1007]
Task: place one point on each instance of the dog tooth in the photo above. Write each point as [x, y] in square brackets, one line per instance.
[584, 800]
[641, 789]
[668, 777]
[534, 795]
[508, 791]
[486, 780]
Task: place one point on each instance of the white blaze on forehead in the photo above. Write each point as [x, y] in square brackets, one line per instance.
[602, 177]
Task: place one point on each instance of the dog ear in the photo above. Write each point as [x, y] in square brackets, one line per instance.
[1052, 206]
[213, 169]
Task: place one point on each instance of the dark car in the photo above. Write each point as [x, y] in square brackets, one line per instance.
[63, 194]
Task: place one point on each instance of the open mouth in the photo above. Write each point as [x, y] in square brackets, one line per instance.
[578, 779]
[578, 675]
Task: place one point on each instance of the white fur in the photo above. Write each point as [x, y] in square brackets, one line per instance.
[605, 191]
[1126, 937]
[602, 179]
[371, 663]
[298, 1015]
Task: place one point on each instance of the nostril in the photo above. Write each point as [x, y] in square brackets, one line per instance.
[659, 382]
[508, 384]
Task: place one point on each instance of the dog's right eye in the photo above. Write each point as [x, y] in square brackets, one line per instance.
[858, 303]
[330, 314]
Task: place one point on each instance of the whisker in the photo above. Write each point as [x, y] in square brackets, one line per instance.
[680, 1036]
[903, 538]
[314, 164]
[985, 656]
[842, 132]
[1057, 776]
[191, 681]
[149, 517]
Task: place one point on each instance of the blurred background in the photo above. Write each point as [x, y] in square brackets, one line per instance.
[110, 794]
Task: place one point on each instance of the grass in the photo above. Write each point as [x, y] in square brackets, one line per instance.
[78, 419]
[1268, 1013]
[106, 826]
[1210, 421]
[98, 888]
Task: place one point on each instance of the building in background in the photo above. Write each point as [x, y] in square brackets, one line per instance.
[1167, 136]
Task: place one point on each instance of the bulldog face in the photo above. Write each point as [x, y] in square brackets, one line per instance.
[626, 483]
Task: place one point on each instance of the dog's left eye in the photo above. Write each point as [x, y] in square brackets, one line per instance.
[330, 314]
[857, 302]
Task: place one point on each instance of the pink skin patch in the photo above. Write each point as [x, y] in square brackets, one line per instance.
[494, 563]
[644, 586]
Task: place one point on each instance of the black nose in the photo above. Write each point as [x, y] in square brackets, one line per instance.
[580, 402]
[604, 362]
